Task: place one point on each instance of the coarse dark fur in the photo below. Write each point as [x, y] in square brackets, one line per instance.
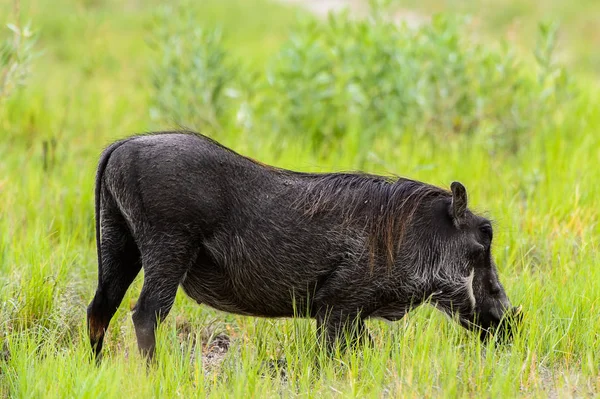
[251, 239]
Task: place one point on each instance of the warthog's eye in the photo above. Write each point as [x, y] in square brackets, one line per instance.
[486, 230]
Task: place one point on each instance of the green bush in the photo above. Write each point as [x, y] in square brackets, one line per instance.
[195, 78]
[434, 80]
[370, 76]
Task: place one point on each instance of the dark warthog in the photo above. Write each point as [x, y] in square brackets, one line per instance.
[246, 238]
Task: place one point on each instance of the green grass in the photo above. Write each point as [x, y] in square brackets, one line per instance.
[91, 86]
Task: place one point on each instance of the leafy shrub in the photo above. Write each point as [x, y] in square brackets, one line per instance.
[194, 79]
[16, 54]
[392, 79]
[370, 76]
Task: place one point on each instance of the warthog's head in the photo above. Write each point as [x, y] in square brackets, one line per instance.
[467, 285]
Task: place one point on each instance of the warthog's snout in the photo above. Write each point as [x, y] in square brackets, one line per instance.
[501, 323]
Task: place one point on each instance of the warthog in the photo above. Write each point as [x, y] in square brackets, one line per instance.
[251, 239]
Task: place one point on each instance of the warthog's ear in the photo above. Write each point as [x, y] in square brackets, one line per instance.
[459, 202]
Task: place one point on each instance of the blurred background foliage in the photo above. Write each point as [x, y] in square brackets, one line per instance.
[370, 77]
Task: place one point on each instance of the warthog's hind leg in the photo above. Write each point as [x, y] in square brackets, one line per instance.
[120, 264]
[164, 269]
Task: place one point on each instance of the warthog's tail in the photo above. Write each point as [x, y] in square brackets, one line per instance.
[97, 194]
[107, 297]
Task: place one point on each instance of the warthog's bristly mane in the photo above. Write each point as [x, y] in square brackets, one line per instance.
[384, 205]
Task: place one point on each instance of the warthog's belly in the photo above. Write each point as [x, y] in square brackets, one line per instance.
[253, 298]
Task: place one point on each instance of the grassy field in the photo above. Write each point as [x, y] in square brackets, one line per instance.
[92, 85]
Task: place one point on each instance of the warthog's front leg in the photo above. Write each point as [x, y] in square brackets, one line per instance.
[339, 329]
